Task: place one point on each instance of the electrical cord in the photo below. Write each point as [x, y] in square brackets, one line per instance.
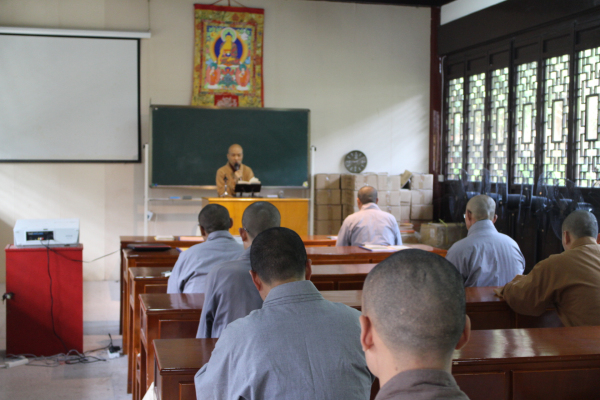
[70, 357]
[72, 259]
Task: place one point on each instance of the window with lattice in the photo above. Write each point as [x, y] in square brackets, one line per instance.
[556, 111]
[587, 145]
[476, 126]
[524, 130]
[455, 100]
[498, 92]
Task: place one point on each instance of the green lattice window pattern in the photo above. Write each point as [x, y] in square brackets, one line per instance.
[587, 145]
[556, 111]
[526, 84]
[476, 127]
[498, 92]
[454, 136]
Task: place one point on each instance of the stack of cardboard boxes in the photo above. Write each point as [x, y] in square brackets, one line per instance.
[421, 189]
[328, 208]
[335, 198]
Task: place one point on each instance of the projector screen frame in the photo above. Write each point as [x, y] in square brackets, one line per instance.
[88, 34]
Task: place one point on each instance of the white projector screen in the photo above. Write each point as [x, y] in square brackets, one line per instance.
[70, 99]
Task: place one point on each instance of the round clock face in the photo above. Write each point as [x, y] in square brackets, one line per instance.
[355, 161]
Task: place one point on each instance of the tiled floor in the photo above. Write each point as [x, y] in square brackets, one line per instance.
[102, 380]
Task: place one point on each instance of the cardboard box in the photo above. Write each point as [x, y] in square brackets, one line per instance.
[383, 199]
[405, 196]
[394, 182]
[393, 198]
[327, 181]
[395, 211]
[325, 196]
[442, 236]
[328, 212]
[348, 210]
[421, 196]
[382, 182]
[421, 181]
[404, 213]
[420, 211]
[356, 181]
[330, 227]
[348, 197]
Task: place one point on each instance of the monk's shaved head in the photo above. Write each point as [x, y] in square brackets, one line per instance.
[259, 217]
[482, 207]
[416, 301]
[235, 148]
[367, 194]
[581, 223]
[214, 217]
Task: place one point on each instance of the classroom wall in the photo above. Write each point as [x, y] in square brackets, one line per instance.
[363, 70]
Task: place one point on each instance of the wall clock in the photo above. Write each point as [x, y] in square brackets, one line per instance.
[355, 161]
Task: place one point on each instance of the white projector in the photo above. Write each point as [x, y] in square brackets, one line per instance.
[46, 232]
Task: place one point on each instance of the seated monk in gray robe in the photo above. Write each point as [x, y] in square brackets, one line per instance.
[297, 346]
[413, 319]
[230, 293]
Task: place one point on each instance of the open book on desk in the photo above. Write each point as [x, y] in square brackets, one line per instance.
[380, 248]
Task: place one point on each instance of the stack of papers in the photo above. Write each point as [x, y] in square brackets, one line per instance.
[376, 247]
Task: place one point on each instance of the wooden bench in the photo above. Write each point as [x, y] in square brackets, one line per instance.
[515, 364]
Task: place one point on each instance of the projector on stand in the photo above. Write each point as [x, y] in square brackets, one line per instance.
[47, 232]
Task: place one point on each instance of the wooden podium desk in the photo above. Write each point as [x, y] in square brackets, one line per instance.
[294, 212]
[164, 316]
[525, 364]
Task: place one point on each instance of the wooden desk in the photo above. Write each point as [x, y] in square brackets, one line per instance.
[309, 241]
[515, 364]
[141, 280]
[164, 316]
[176, 363]
[525, 364]
[294, 212]
[132, 259]
[485, 310]
[348, 277]
[357, 255]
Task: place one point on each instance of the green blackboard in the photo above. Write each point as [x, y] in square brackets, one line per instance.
[189, 144]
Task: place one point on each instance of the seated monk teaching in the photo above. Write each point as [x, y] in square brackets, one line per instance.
[569, 281]
[232, 172]
[485, 257]
[413, 319]
[230, 293]
[219, 246]
[369, 225]
[297, 346]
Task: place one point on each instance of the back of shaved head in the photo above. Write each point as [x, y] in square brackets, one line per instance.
[416, 300]
[367, 194]
[581, 223]
[214, 217]
[259, 217]
[482, 207]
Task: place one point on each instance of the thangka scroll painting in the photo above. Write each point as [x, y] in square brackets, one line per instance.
[228, 56]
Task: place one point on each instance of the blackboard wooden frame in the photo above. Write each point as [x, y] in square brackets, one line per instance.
[291, 128]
